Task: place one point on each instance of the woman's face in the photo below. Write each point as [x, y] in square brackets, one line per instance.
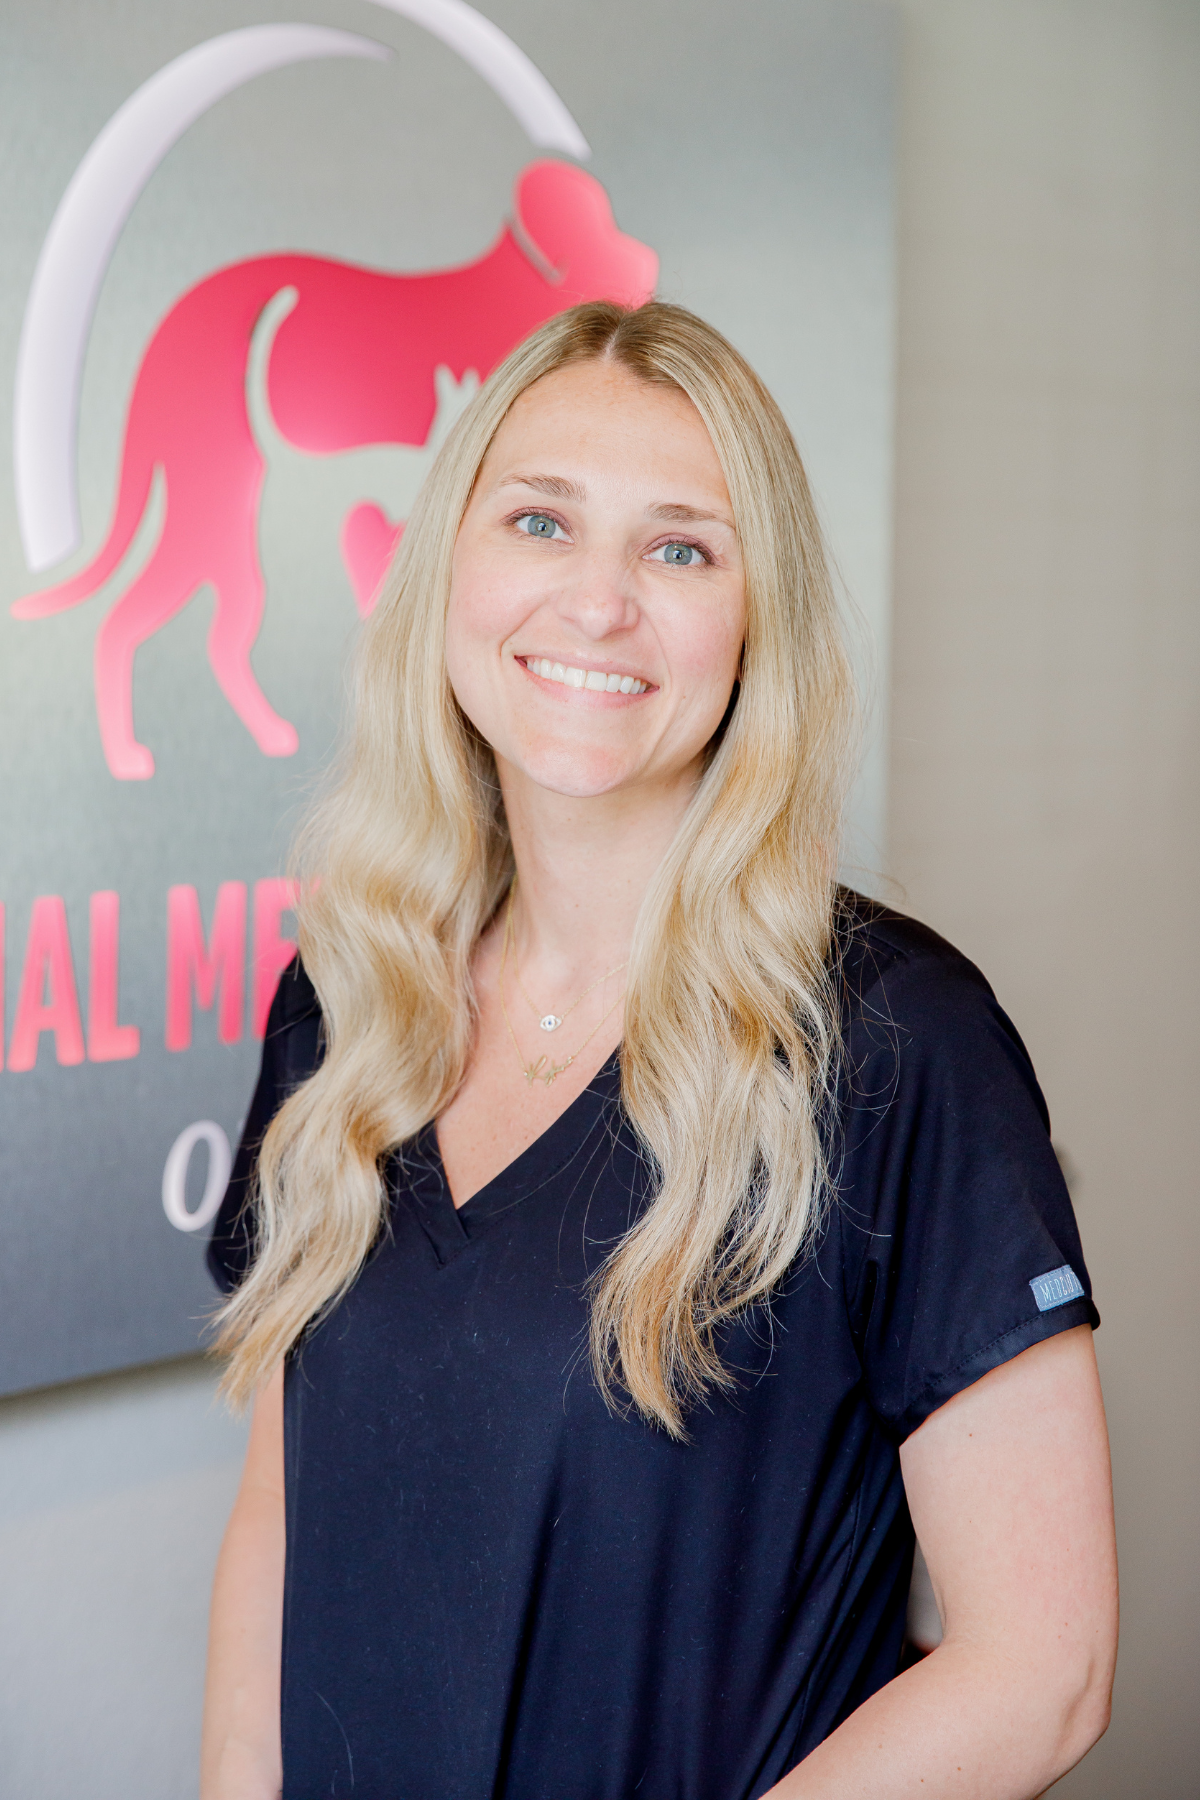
[597, 606]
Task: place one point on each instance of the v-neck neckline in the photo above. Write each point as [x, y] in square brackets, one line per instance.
[451, 1228]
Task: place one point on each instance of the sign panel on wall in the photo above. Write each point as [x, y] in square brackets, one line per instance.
[255, 268]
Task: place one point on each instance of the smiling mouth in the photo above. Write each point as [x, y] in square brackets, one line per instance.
[595, 681]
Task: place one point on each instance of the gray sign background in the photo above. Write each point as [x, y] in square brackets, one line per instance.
[749, 142]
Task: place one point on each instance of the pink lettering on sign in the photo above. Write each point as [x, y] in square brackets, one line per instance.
[354, 363]
[272, 952]
[205, 970]
[48, 999]
[107, 1041]
[197, 968]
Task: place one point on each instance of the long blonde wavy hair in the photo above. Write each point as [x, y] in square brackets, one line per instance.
[731, 1028]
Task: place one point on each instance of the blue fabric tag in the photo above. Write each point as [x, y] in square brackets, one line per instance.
[1056, 1288]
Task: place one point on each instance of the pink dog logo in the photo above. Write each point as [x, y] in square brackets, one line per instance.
[353, 363]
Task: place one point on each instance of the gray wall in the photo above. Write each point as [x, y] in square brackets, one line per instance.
[1045, 776]
[113, 1497]
[1044, 804]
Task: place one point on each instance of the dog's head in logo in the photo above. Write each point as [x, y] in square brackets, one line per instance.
[353, 363]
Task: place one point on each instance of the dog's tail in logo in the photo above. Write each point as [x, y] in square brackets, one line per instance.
[352, 364]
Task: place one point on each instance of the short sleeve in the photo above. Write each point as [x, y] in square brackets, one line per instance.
[292, 1049]
[960, 1247]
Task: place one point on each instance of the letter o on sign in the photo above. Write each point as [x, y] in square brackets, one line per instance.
[174, 1182]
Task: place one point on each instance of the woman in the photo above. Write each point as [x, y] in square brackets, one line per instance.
[631, 1228]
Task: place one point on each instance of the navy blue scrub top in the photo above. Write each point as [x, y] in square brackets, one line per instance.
[497, 1587]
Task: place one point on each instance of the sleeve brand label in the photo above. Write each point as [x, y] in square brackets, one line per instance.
[1056, 1288]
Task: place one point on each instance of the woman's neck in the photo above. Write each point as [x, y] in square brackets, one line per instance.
[583, 868]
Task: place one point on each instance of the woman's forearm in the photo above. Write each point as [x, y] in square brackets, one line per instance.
[240, 1755]
[968, 1722]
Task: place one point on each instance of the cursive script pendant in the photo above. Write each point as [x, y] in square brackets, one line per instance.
[551, 1022]
[538, 1071]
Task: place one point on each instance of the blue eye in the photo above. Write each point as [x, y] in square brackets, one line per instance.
[539, 525]
[680, 556]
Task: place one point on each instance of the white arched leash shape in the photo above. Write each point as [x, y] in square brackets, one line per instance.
[82, 236]
[105, 187]
[519, 82]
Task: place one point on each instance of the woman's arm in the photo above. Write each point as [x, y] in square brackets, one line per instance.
[240, 1756]
[1011, 1496]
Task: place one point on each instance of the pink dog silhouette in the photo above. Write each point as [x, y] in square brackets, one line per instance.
[352, 364]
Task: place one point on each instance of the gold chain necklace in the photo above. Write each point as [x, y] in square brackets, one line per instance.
[539, 1071]
[551, 1021]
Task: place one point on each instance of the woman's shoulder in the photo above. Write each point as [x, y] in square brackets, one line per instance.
[952, 1212]
[886, 959]
[921, 1015]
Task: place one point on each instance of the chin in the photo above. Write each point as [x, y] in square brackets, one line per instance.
[577, 774]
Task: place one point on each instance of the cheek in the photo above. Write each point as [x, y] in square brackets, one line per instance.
[457, 657]
[466, 652]
[476, 626]
[466, 610]
[706, 650]
[487, 602]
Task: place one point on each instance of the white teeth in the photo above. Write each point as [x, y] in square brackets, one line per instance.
[594, 679]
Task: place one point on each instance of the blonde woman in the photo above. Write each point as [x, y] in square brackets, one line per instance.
[634, 1235]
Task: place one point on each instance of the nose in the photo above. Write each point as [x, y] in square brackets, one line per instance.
[598, 599]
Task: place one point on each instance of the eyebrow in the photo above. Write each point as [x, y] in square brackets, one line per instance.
[676, 513]
[670, 512]
[558, 486]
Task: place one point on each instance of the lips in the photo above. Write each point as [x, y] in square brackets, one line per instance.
[573, 675]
